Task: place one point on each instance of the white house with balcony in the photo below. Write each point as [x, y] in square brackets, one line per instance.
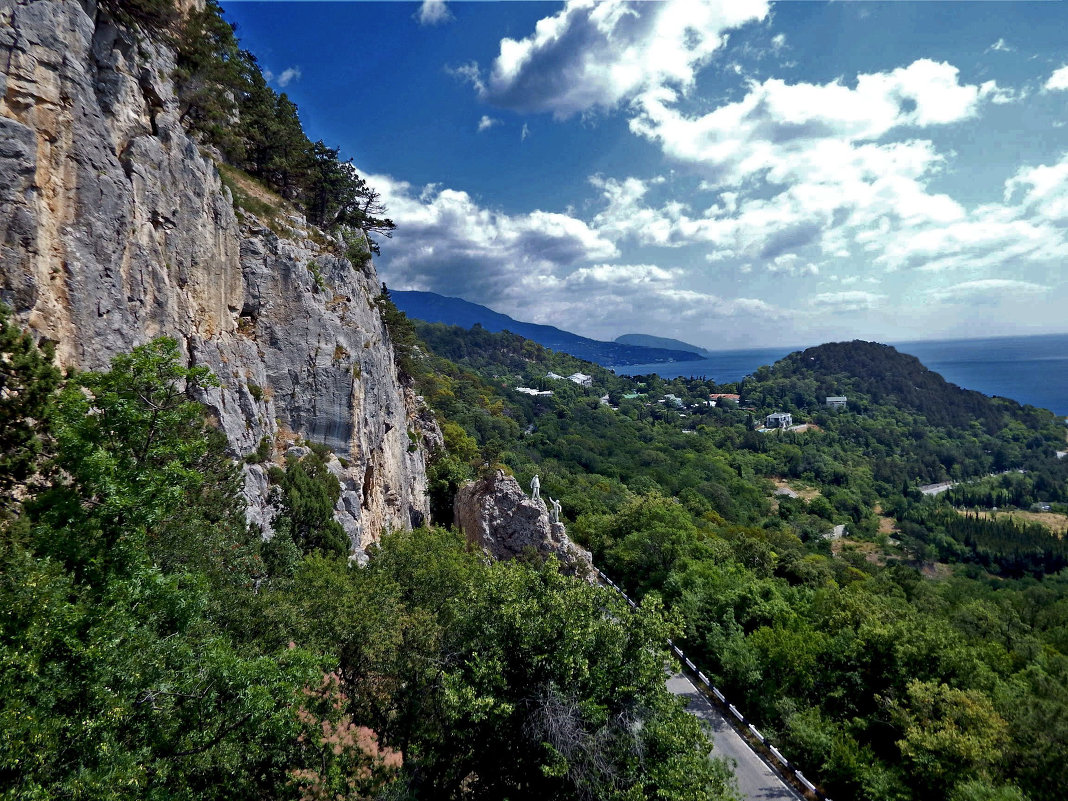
[779, 420]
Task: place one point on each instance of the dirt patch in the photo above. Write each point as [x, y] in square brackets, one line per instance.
[873, 554]
[936, 570]
[887, 525]
[808, 493]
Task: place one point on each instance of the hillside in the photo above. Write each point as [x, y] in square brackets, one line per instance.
[649, 341]
[434, 308]
[876, 375]
[860, 652]
[214, 572]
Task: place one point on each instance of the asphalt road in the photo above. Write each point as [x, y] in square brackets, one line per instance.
[755, 779]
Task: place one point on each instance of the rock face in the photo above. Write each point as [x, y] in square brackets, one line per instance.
[115, 229]
[495, 514]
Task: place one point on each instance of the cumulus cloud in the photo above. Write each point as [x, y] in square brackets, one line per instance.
[807, 174]
[433, 12]
[446, 242]
[486, 123]
[599, 53]
[542, 266]
[1058, 81]
[780, 129]
[986, 290]
[1042, 191]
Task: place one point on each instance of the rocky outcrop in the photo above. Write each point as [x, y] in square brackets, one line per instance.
[115, 228]
[496, 515]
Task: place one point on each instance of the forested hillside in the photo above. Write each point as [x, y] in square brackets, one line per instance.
[153, 645]
[923, 655]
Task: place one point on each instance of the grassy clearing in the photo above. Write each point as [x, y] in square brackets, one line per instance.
[1056, 523]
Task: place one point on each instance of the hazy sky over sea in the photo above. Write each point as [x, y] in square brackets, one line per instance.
[730, 174]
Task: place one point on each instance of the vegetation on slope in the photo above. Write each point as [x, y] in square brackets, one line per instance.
[879, 672]
[226, 101]
[151, 645]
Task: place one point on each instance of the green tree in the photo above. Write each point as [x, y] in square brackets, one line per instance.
[27, 381]
[305, 507]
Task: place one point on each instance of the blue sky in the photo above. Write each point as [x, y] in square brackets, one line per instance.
[732, 174]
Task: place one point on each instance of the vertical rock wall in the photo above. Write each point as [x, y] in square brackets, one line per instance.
[115, 228]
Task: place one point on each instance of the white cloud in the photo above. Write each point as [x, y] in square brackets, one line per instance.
[1058, 81]
[541, 266]
[486, 123]
[470, 73]
[776, 125]
[288, 75]
[808, 174]
[987, 290]
[446, 242]
[1000, 46]
[596, 54]
[850, 300]
[523, 134]
[616, 274]
[433, 12]
[1043, 191]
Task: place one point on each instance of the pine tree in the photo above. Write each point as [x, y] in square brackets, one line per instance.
[27, 380]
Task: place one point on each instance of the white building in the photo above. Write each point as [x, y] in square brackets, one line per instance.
[779, 420]
[581, 379]
[537, 393]
[836, 401]
[552, 375]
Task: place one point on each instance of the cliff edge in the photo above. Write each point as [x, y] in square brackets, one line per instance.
[116, 228]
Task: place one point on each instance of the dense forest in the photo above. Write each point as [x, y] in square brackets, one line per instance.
[153, 645]
[924, 655]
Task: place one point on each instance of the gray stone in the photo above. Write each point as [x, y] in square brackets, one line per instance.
[495, 514]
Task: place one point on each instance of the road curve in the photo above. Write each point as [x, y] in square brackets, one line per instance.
[756, 781]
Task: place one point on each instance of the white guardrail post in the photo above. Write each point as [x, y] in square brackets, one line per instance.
[801, 778]
[775, 752]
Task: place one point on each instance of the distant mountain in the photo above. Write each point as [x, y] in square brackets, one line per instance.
[649, 341]
[434, 308]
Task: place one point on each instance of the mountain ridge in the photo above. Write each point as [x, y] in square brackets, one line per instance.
[650, 341]
[434, 308]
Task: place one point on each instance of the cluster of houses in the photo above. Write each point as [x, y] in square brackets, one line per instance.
[581, 379]
[776, 421]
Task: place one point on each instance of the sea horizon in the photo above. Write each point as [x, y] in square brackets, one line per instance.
[1023, 367]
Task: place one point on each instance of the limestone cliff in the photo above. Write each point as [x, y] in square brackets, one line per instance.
[115, 228]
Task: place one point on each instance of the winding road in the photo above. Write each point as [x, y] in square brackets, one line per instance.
[756, 781]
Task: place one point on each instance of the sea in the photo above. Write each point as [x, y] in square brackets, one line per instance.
[1028, 369]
